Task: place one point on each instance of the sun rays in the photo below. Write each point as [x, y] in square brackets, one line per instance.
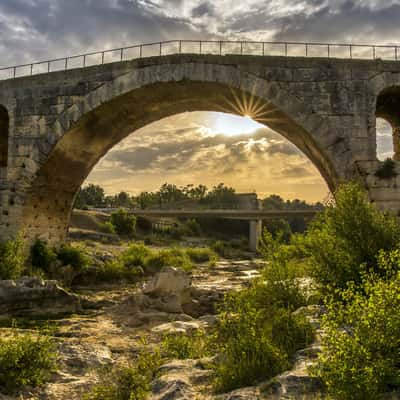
[250, 106]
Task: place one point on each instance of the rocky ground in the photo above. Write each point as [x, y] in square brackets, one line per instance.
[110, 324]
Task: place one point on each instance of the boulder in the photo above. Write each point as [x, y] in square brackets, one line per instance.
[169, 280]
[34, 297]
[167, 291]
[180, 379]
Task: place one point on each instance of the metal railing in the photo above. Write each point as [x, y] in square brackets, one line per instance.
[225, 47]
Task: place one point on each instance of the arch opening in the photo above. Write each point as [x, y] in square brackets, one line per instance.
[4, 128]
[207, 148]
[384, 139]
[388, 123]
[90, 137]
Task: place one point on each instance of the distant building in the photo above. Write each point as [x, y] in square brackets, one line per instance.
[247, 201]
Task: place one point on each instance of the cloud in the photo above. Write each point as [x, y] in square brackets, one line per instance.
[182, 148]
[36, 29]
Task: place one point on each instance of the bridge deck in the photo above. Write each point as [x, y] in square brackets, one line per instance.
[217, 213]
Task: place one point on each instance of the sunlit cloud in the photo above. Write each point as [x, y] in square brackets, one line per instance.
[166, 151]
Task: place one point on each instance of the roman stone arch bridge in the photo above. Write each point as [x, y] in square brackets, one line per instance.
[56, 125]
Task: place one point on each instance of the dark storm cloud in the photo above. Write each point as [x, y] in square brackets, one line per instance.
[203, 9]
[48, 28]
[321, 20]
[36, 29]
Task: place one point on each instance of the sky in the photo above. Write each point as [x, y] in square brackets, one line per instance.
[198, 147]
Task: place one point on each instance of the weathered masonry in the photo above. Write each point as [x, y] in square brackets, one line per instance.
[54, 127]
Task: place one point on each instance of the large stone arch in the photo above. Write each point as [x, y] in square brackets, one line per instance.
[388, 108]
[84, 132]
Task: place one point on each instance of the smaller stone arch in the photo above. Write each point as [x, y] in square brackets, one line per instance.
[388, 108]
[4, 133]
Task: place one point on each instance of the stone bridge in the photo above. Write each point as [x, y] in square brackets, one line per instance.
[54, 127]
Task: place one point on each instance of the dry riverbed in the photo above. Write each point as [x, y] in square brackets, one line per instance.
[116, 322]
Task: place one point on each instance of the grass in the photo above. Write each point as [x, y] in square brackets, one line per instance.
[131, 382]
[236, 248]
[26, 359]
[202, 255]
[183, 346]
[175, 257]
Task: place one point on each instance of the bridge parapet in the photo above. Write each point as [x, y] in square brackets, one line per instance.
[205, 47]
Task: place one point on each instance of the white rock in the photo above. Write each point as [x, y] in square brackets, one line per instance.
[169, 280]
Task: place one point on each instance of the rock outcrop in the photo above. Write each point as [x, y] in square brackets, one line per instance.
[34, 297]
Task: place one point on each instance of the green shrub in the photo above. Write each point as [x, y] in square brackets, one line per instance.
[25, 359]
[123, 223]
[255, 343]
[192, 227]
[387, 169]
[42, 256]
[202, 255]
[135, 255]
[174, 257]
[127, 383]
[257, 333]
[183, 346]
[347, 235]
[108, 227]
[235, 248]
[115, 271]
[74, 256]
[361, 344]
[12, 258]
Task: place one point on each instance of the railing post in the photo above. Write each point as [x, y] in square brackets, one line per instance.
[375, 52]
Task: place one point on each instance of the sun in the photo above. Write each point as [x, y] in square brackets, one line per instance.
[234, 125]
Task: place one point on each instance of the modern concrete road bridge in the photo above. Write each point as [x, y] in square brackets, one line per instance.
[255, 217]
[60, 119]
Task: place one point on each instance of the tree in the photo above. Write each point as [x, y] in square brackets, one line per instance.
[221, 195]
[91, 195]
[170, 193]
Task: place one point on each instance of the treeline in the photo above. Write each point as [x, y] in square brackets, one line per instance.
[219, 196]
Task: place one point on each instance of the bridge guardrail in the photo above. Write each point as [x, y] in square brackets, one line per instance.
[219, 47]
